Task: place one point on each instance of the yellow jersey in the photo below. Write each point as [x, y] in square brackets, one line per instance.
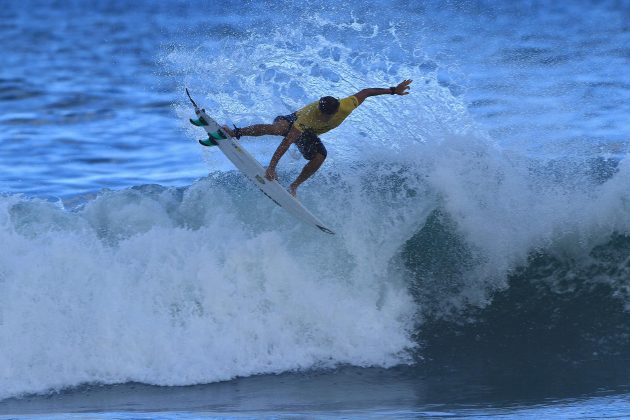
[308, 117]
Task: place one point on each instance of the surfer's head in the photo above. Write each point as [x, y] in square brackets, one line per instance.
[328, 105]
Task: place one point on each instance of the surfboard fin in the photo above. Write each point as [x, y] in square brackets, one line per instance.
[209, 142]
[217, 135]
[212, 138]
[198, 122]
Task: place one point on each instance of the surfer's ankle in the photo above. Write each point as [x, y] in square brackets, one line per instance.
[235, 131]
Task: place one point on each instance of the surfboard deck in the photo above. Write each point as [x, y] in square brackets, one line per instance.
[252, 169]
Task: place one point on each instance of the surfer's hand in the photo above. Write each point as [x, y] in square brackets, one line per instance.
[228, 130]
[403, 87]
[271, 174]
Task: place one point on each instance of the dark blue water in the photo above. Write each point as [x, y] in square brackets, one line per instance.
[481, 266]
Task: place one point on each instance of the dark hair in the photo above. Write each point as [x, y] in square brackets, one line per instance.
[328, 105]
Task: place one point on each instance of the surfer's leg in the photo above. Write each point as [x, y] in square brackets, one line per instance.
[256, 130]
[280, 127]
[309, 169]
[314, 151]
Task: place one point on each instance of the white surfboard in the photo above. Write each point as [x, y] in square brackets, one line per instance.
[246, 163]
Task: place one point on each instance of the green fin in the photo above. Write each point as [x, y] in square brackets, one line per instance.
[209, 142]
[217, 135]
[198, 122]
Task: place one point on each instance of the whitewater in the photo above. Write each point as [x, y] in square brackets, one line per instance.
[483, 221]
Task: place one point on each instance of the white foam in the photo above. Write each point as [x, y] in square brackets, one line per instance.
[166, 289]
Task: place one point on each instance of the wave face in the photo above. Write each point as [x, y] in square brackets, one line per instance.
[192, 285]
[485, 216]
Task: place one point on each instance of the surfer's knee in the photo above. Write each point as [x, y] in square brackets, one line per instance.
[319, 158]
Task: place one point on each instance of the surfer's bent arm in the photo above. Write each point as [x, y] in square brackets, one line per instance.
[401, 89]
[290, 138]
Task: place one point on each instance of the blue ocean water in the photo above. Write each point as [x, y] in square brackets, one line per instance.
[481, 266]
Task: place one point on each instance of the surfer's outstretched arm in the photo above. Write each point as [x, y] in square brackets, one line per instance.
[290, 138]
[401, 89]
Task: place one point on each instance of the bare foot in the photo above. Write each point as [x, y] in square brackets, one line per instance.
[293, 190]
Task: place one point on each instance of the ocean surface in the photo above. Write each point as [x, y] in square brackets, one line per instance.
[481, 267]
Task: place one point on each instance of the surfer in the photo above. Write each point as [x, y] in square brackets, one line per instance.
[304, 127]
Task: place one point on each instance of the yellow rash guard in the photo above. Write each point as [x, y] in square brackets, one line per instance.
[308, 117]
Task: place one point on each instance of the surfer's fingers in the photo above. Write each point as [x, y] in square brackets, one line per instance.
[404, 85]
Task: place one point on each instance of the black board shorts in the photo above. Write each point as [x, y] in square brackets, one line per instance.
[308, 143]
